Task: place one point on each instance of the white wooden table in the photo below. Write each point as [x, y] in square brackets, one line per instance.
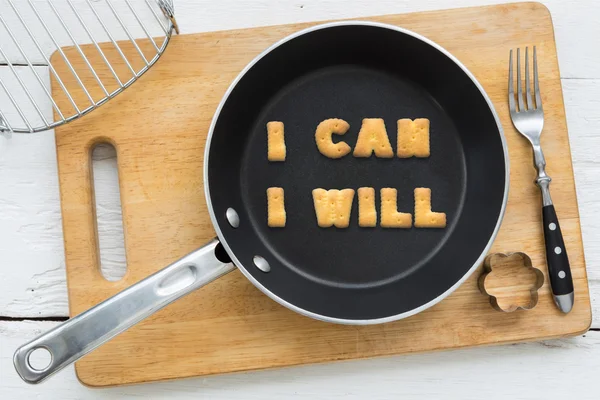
[33, 295]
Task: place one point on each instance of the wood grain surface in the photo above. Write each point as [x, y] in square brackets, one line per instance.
[159, 128]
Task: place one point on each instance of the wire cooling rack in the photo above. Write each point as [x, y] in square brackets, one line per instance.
[128, 36]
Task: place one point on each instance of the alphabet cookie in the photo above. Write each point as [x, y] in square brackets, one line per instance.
[373, 138]
[276, 216]
[424, 217]
[367, 214]
[413, 138]
[390, 217]
[323, 138]
[333, 207]
[275, 141]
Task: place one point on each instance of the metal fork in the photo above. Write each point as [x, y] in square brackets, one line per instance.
[528, 119]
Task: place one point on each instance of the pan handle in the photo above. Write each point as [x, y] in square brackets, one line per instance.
[81, 334]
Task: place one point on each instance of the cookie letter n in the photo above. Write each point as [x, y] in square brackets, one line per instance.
[413, 138]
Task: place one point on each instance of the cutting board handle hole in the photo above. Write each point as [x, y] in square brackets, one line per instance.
[108, 212]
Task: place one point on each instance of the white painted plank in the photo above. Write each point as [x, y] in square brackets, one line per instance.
[554, 369]
[573, 23]
[63, 13]
[582, 106]
[33, 92]
[31, 246]
[574, 27]
[32, 274]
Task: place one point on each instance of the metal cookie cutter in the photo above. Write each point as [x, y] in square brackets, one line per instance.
[488, 265]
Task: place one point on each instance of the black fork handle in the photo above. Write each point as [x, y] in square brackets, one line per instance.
[559, 268]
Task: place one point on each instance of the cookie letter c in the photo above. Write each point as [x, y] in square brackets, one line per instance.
[323, 138]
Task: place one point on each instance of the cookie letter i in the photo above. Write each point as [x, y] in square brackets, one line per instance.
[276, 216]
[275, 141]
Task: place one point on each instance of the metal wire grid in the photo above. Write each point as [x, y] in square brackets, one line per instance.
[37, 28]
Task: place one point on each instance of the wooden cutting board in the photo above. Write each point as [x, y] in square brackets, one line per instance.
[159, 128]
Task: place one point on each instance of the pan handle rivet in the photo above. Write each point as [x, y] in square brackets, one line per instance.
[261, 264]
[232, 217]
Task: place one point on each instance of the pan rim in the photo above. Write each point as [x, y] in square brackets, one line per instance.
[294, 307]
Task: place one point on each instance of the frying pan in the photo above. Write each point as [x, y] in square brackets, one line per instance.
[349, 70]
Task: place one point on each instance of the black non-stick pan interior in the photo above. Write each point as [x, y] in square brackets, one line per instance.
[354, 72]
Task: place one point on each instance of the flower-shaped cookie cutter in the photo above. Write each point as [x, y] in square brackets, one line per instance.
[488, 266]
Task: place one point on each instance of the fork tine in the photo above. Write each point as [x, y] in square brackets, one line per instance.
[527, 83]
[519, 85]
[536, 86]
[511, 84]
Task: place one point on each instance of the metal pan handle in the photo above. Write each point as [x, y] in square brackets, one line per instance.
[78, 336]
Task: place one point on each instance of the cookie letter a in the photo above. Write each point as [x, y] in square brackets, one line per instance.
[373, 138]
